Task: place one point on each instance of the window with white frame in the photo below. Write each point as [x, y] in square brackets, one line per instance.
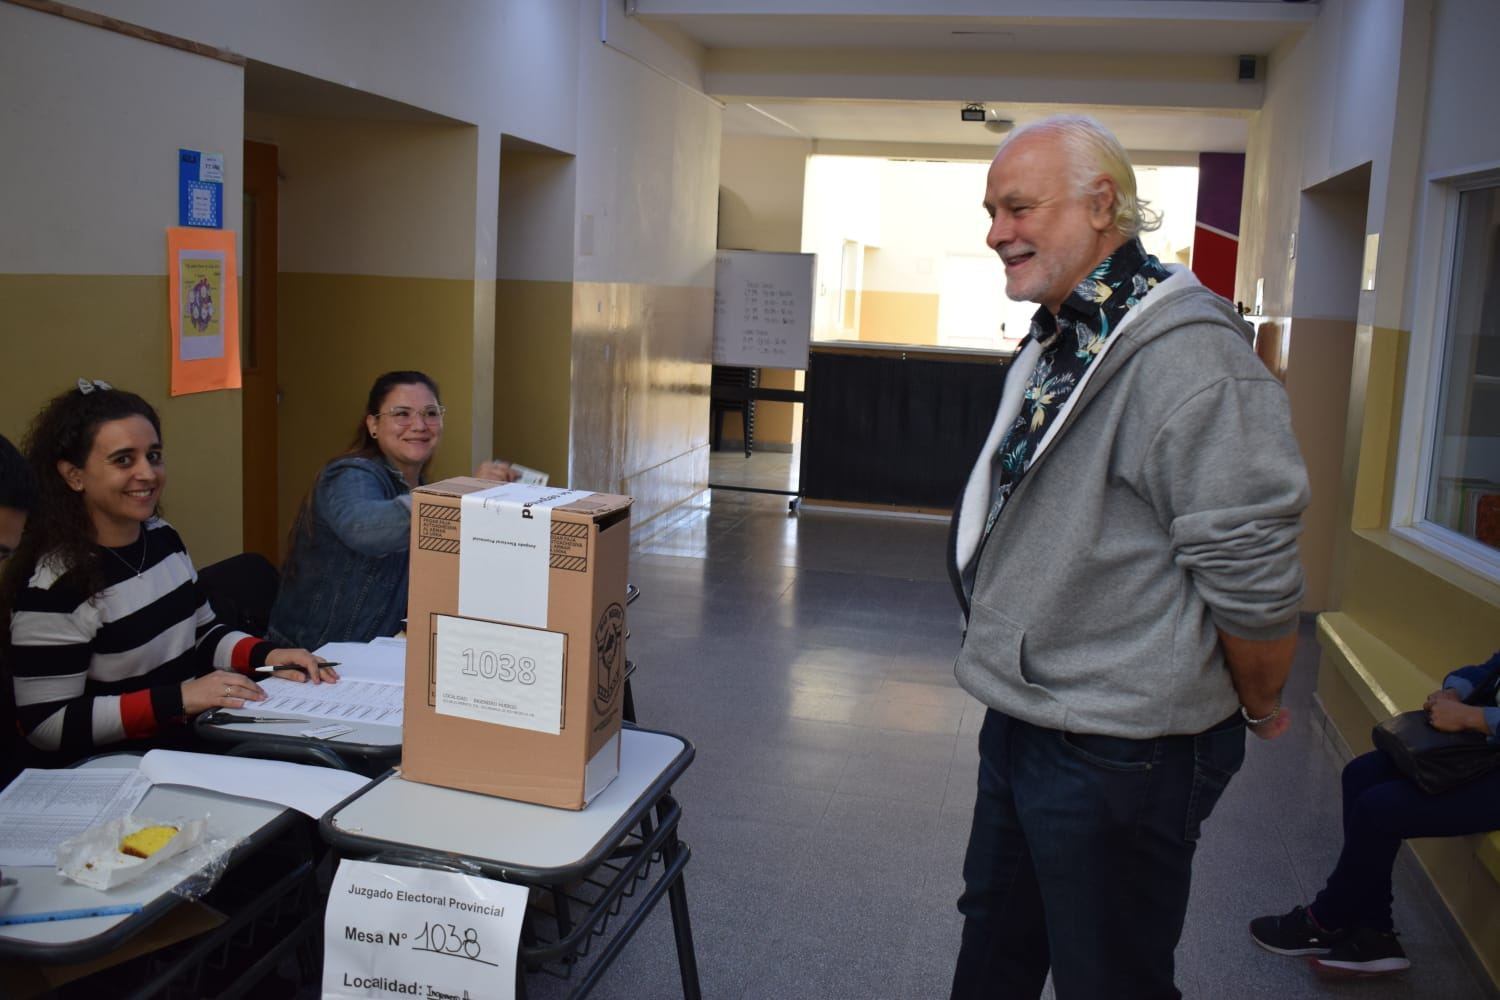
[1462, 453]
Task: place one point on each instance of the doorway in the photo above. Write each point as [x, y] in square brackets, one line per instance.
[261, 395]
[1318, 358]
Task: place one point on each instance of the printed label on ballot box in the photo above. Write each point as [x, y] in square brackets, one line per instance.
[410, 932]
[506, 675]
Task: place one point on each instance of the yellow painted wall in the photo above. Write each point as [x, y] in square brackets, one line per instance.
[1428, 614]
[533, 363]
[898, 317]
[336, 333]
[1317, 370]
[1378, 89]
[775, 422]
[57, 328]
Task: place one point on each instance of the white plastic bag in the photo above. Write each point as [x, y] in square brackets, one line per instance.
[93, 858]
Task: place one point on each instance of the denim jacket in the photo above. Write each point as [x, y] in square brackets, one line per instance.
[345, 580]
[1466, 680]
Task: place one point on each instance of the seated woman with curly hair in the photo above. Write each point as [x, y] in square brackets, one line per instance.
[111, 638]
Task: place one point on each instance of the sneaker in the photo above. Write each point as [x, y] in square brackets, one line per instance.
[1292, 933]
[1363, 953]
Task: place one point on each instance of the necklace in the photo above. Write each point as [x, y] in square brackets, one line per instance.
[139, 567]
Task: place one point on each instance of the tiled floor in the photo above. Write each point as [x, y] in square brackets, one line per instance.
[771, 470]
[809, 659]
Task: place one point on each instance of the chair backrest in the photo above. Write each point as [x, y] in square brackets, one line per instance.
[242, 590]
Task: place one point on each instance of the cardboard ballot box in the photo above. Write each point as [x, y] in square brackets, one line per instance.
[515, 653]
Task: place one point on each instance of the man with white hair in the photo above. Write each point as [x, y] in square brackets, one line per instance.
[1126, 556]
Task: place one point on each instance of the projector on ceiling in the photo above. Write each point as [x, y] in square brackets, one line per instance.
[989, 117]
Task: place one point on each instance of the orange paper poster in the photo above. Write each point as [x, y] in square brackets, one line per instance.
[203, 309]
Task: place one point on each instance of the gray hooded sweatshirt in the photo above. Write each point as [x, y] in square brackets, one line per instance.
[1165, 504]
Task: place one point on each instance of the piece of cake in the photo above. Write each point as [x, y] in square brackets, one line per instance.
[147, 841]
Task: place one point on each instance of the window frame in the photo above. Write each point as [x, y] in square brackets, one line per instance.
[1417, 445]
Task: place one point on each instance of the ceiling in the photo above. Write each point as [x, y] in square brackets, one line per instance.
[1226, 37]
[937, 122]
[1068, 28]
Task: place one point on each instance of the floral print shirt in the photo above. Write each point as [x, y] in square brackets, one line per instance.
[1070, 342]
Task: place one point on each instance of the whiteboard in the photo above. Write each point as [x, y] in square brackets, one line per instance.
[763, 308]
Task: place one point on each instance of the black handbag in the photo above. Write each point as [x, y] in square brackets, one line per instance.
[1436, 761]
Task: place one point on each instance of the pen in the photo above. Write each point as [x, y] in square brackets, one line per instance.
[219, 717]
[296, 666]
[49, 915]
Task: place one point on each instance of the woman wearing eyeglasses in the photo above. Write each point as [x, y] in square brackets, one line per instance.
[345, 576]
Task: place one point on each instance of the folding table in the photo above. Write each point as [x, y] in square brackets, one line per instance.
[586, 862]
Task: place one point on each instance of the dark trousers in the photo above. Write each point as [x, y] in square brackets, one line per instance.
[1081, 856]
[1381, 809]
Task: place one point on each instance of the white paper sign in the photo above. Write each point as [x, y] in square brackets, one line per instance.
[211, 167]
[409, 932]
[501, 674]
[763, 308]
[505, 551]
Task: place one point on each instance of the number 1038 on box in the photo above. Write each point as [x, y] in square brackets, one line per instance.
[507, 675]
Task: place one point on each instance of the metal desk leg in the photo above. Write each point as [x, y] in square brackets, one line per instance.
[682, 925]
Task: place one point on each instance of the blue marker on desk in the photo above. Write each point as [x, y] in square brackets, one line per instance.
[50, 915]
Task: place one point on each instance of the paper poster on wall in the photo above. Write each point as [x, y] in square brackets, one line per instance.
[203, 310]
[200, 189]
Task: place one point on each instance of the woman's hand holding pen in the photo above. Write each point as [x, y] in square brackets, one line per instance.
[300, 665]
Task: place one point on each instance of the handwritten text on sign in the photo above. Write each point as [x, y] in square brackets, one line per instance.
[408, 932]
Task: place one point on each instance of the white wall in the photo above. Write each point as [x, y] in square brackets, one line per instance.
[648, 183]
[761, 184]
[332, 172]
[537, 219]
[1346, 93]
[88, 177]
[537, 64]
[506, 66]
[647, 174]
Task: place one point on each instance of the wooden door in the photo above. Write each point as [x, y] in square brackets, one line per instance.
[258, 353]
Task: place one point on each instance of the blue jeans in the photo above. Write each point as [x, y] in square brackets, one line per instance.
[1081, 856]
[1381, 809]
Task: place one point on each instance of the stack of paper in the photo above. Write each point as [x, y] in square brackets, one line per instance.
[308, 789]
[371, 686]
[41, 809]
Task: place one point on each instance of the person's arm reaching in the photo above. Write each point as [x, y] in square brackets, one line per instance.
[355, 505]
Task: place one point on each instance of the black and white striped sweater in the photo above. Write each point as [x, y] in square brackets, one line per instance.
[89, 673]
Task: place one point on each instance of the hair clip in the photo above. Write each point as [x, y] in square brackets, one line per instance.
[86, 386]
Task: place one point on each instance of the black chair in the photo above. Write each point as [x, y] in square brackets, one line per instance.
[242, 590]
[739, 378]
